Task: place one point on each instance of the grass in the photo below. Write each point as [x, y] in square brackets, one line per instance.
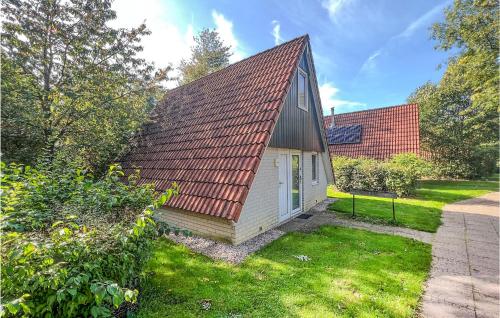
[351, 273]
[422, 212]
[493, 177]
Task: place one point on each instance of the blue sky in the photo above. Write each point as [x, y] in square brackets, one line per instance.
[367, 53]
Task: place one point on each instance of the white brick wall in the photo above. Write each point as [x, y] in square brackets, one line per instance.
[200, 224]
[260, 212]
[313, 193]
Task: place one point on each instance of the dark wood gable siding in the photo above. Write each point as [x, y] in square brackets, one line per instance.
[296, 128]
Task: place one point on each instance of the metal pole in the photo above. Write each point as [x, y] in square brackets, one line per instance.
[353, 205]
[393, 212]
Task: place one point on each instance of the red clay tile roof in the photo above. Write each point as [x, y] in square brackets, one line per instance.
[386, 131]
[209, 135]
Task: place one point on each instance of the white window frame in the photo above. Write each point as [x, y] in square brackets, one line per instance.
[306, 92]
[316, 164]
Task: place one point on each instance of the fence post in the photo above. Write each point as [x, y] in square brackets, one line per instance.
[353, 205]
[393, 211]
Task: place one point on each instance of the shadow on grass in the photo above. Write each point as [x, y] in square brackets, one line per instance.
[421, 212]
[351, 273]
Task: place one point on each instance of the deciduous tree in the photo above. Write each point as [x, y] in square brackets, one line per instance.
[459, 115]
[73, 87]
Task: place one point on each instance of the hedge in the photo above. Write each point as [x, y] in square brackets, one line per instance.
[399, 174]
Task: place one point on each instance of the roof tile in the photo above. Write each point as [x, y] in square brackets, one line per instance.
[386, 131]
[209, 135]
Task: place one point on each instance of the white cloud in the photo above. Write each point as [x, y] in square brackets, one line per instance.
[276, 32]
[335, 8]
[225, 29]
[328, 93]
[371, 62]
[424, 20]
[167, 43]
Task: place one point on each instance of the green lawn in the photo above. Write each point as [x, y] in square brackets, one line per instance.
[351, 273]
[423, 212]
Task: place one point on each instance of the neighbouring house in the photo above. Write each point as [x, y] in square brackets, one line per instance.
[245, 144]
[375, 133]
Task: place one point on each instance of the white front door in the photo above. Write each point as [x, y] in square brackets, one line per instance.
[284, 211]
[290, 184]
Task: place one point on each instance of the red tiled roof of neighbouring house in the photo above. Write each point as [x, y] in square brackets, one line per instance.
[385, 132]
[209, 135]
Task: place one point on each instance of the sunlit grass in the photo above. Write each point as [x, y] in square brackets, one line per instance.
[422, 212]
[351, 273]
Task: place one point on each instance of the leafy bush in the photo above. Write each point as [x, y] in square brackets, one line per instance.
[345, 171]
[399, 174]
[472, 164]
[371, 175]
[403, 172]
[73, 245]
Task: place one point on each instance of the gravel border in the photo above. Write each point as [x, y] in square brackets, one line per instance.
[237, 254]
[225, 251]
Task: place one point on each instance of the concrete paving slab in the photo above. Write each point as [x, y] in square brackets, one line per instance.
[464, 278]
[440, 309]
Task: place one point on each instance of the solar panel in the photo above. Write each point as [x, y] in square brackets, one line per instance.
[344, 135]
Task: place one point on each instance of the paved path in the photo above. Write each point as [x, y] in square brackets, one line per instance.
[320, 216]
[464, 279]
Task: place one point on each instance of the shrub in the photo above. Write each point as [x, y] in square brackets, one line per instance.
[345, 171]
[399, 174]
[371, 175]
[480, 162]
[73, 245]
[403, 172]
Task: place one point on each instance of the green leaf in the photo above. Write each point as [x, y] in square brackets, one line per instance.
[57, 223]
[117, 300]
[25, 308]
[94, 311]
[13, 308]
[162, 199]
[72, 291]
[29, 249]
[99, 294]
[130, 295]
[60, 295]
[112, 289]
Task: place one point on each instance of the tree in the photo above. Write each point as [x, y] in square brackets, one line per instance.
[459, 115]
[207, 56]
[73, 88]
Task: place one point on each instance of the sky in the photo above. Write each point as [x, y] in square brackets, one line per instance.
[367, 53]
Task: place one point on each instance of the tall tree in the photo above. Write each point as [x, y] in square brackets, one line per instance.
[459, 115]
[73, 88]
[208, 55]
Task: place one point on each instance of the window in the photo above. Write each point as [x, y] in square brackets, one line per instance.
[302, 90]
[314, 159]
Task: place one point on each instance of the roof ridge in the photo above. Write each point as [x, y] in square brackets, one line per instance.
[305, 36]
[373, 109]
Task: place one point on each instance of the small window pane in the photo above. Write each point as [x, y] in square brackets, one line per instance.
[314, 167]
[302, 91]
